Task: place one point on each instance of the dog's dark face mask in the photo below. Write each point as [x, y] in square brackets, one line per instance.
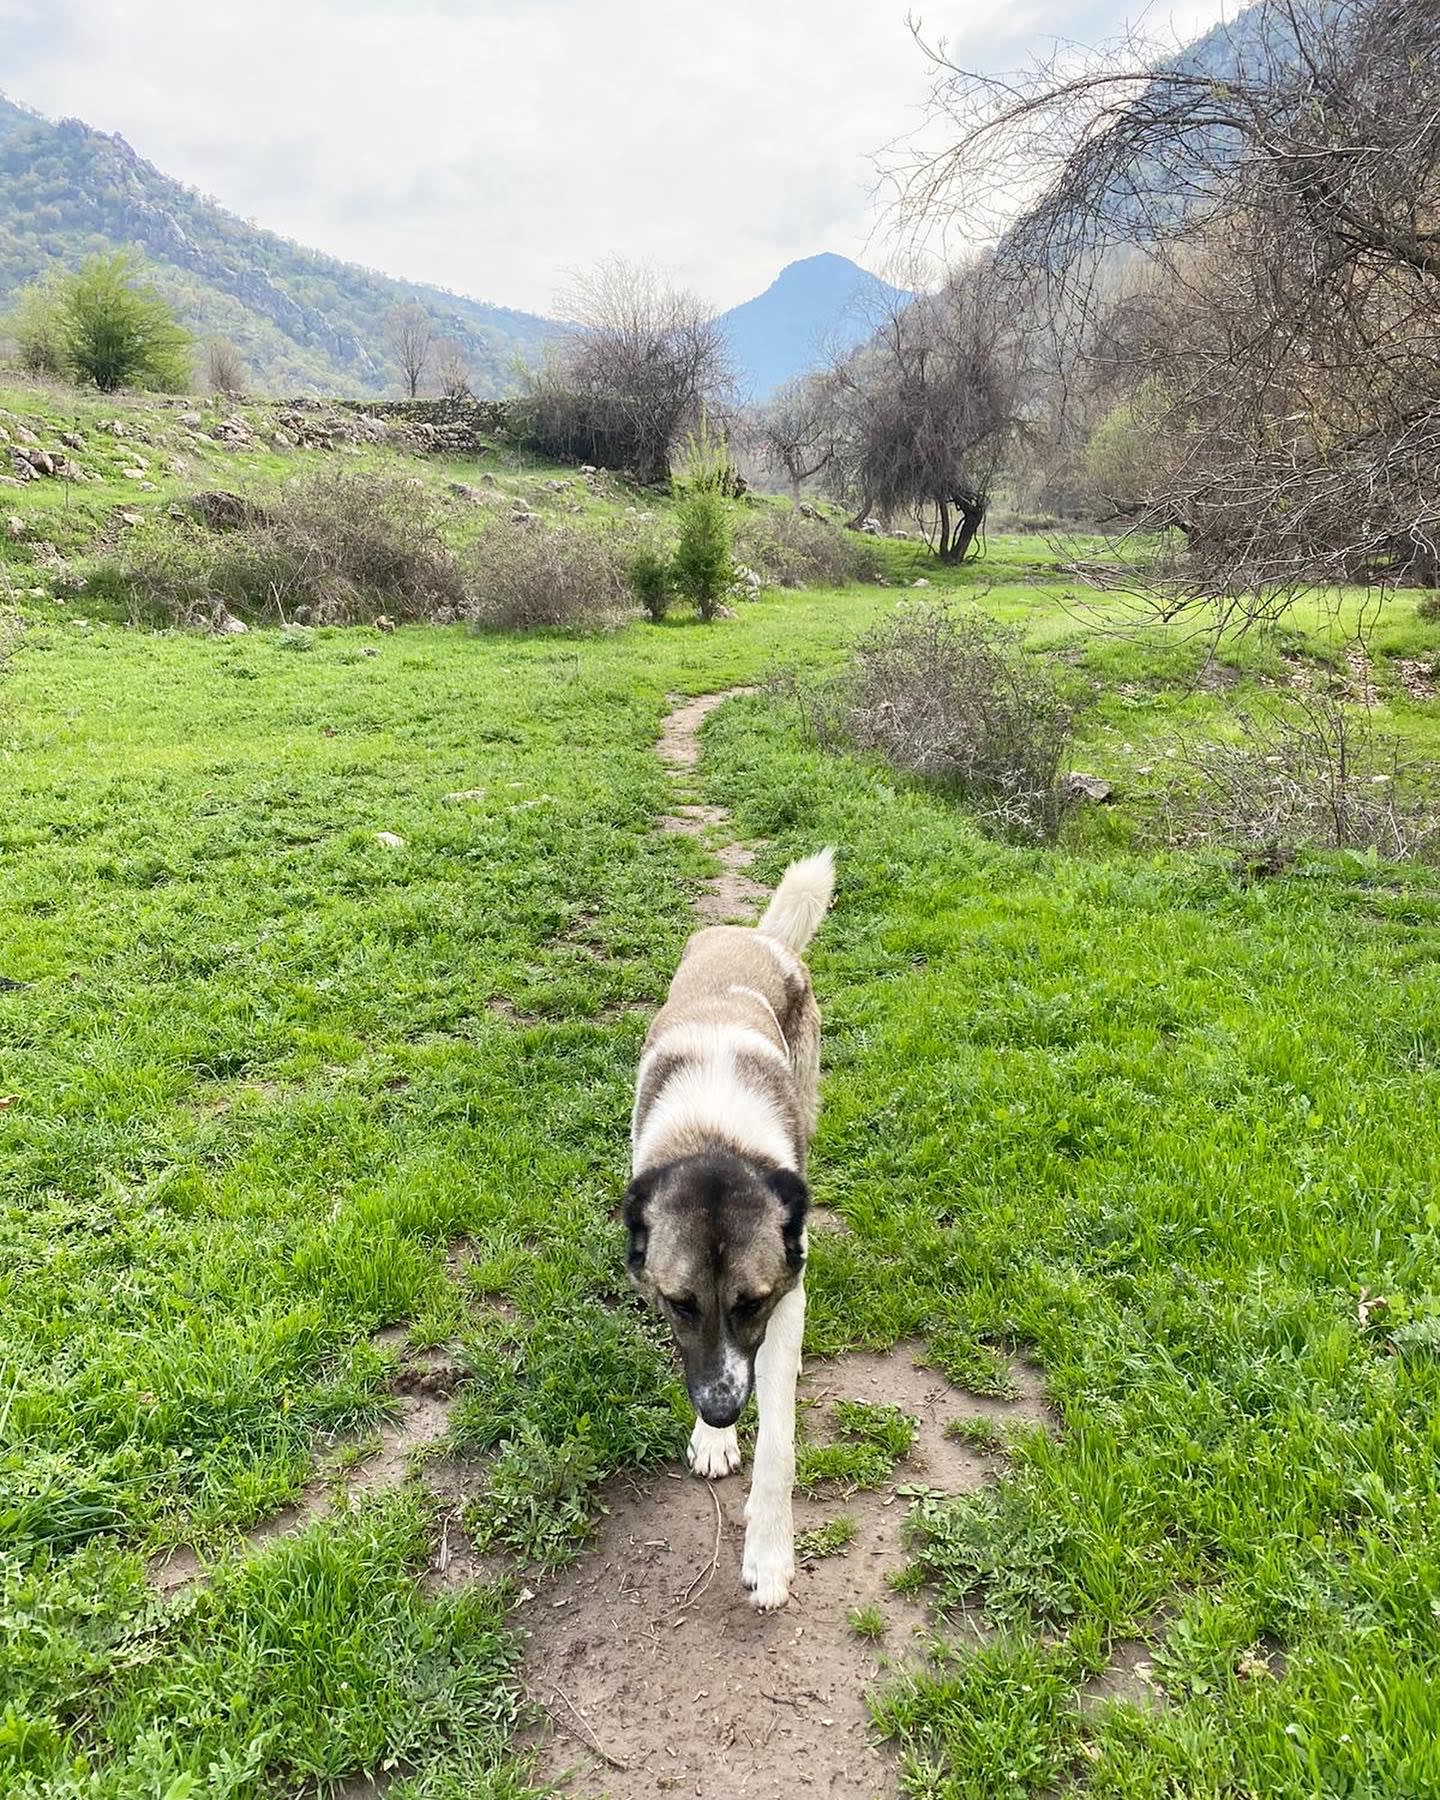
[716, 1241]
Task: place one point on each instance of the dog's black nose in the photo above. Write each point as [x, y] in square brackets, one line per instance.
[720, 1405]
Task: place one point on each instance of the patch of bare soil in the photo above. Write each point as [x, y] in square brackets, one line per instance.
[731, 896]
[654, 1671]
[424, 1385]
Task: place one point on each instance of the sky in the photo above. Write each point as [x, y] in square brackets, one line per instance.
[490, 146]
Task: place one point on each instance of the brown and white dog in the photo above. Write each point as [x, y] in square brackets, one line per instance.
[725, 1106]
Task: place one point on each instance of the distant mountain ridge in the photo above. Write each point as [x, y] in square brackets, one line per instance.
[814, 306]
[305, 322]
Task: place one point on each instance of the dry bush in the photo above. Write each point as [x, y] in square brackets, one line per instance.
[329, 549]
[792, 551]
[523, 576]
[1305, 772]
[956, 698]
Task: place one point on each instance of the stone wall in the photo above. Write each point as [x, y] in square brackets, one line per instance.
[456, 424]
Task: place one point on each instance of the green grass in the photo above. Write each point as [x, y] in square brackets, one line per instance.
[832, 1538]
[1100, 1103]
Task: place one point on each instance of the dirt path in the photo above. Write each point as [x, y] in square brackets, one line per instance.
[730, 897]
[657, 1673]
[653, 1670]
[424, 1386]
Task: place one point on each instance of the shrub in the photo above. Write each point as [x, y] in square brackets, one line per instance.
[523, 576]
[790, 550]
[702, 568]
[652, 581]
[955, 698]
[101, 326]
[35, 324]
[330, 548]
[1305, 771]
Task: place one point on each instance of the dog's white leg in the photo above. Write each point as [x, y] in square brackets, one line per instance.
[769, 1565]
[714, 1450]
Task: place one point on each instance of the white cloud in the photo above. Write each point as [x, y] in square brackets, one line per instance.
[490, 144]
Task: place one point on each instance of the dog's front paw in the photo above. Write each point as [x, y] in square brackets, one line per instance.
[769, 1565]
[714, 1452]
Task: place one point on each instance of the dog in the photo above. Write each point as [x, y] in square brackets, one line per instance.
[726, 1100]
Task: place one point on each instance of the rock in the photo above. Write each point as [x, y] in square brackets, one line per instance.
[147, 487]
[22, 434]
[920, 581]
[133, 474]
[222, 510]
[20, 469]
[1092, 788]
[72, 440]
[11, 481]
[15, 526]
[462, 490]
[193, 419]
[130, 518]
[390, 839]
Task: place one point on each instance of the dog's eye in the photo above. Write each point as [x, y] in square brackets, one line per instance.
[686, 1307]
[747, 1306]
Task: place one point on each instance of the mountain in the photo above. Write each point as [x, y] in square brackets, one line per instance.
[303, 321]
[819, 304]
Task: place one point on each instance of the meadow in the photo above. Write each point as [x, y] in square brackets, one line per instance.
[1166, 1131]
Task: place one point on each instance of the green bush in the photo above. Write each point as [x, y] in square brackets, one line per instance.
[101, 326]
[36, 326]
[653, 581]
[703, 568]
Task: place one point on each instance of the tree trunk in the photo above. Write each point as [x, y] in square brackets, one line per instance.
[956, 545]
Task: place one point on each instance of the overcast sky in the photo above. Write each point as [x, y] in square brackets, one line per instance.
[487, 145]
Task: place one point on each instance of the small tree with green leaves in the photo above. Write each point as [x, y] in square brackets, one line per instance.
[35, 325]
[702, 568]
[119, 332]
[103, 326]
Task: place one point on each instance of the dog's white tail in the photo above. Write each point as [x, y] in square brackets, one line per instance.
[800, 902]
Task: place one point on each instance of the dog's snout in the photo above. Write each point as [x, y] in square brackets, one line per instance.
[719, 1409]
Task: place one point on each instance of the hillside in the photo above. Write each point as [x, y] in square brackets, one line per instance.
[304, 322]
[812, 306]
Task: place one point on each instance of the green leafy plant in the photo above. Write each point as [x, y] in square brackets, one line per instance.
[867, 1622]
[653, 580]
[703, 568]
[832, 1538]
[103, 327]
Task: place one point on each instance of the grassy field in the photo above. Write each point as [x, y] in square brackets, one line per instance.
[1170, 1135]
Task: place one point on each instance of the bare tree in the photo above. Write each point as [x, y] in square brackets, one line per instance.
[795, 435]
[410, 333]
[1280, 360]
[452, 370]
[225, 371]
[927, 412]
[638, 366]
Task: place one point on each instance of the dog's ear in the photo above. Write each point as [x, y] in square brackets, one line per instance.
[794, 1197]
[637, 1199]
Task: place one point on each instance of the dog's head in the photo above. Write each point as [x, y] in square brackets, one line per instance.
[716, 1241]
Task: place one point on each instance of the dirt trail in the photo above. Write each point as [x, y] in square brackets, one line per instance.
[657, 1673]
[424, 1386]
[654, 1671]
[730, 897]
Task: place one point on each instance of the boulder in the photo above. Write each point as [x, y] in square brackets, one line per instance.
[1091, 788]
